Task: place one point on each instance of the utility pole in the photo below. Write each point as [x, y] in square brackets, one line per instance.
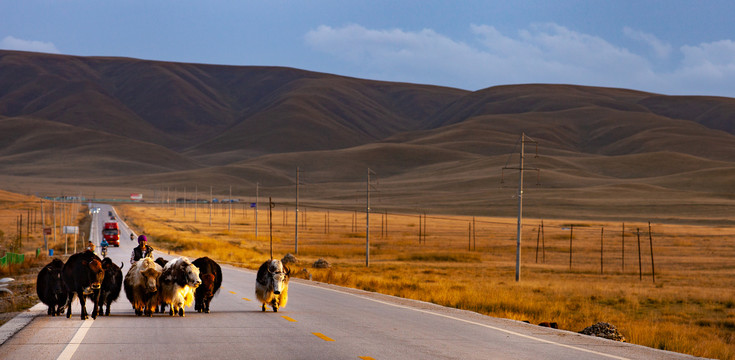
[210, 205]
[28, 225]
[53, 204]
[524, 140]
[650, 239]
[270, 222]
[367, 218]
[296, 224]
[43, 225]
[257, 186]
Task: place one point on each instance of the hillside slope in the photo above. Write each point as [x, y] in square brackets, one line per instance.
[114, 125]
[199, 106]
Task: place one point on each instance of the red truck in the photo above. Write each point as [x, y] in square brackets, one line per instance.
[111, 233]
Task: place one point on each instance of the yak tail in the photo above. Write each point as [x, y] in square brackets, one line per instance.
[188, 296]
[283, 297]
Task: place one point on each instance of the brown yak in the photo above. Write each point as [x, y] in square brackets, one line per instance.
[141, 286]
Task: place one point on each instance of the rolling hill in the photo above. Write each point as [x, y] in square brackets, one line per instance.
[118, 125]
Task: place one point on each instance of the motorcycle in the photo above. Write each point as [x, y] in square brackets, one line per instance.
[104, 252]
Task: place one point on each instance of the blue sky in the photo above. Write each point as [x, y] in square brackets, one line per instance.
[671, 47]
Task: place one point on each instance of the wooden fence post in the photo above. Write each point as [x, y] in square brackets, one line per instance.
[571, 235]
[271, 205]
[469, 236]
[424, 228]
[421, 219]
[382, 224]
[622, 246]
[28, 227]
[386, 223]
[602, 235]
[538, 240]
[543, 243]
[474, 234]
[640, 266]
[20, 235]
[650, 238]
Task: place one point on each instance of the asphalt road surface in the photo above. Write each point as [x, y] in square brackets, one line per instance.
[320, 322]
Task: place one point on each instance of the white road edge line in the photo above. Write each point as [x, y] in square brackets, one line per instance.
[476, 323]
[71, 348]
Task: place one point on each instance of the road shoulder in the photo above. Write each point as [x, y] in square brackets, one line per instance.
[17, 323]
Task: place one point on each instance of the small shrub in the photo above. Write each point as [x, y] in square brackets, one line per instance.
[442, 257]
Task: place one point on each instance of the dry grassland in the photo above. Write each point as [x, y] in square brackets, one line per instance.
[26, 211]
[13, 209]
[690, 307]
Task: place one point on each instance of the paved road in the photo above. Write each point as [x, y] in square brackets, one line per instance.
[320, 322]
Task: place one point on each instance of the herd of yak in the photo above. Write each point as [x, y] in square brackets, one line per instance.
[150, 285]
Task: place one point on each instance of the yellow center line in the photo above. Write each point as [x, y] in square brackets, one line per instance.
[322, 336]
[288, 318]
[246, 299]
[366, 358]
[233, 293]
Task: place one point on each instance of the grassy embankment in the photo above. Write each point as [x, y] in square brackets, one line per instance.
[28, 241]
[690, 307]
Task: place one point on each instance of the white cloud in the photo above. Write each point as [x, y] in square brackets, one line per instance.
[719, 53]
[707, 68]
[660, 48]
[361, 45]
[501, 45]
[12, 43]
[396, 54]
[580, 53]
[540, 53]
[552, 53]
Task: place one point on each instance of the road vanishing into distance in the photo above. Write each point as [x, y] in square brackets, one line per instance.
[320, 322]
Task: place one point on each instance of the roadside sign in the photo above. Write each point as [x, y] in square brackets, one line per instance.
[47, 231]
[71, 230]
[252, 205]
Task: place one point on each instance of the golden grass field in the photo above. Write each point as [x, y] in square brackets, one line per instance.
[605, 154]
[690, 307]
[12, 208]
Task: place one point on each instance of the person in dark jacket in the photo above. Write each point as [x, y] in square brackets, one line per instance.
[142, 250]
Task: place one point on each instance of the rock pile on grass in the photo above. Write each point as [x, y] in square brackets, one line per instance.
[289, 259]
[603, 330]
[321, 264]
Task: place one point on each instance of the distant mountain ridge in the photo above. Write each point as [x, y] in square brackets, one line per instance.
[111, 122]
[183, 105]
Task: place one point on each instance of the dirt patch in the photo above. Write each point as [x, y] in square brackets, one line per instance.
[23, 288]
